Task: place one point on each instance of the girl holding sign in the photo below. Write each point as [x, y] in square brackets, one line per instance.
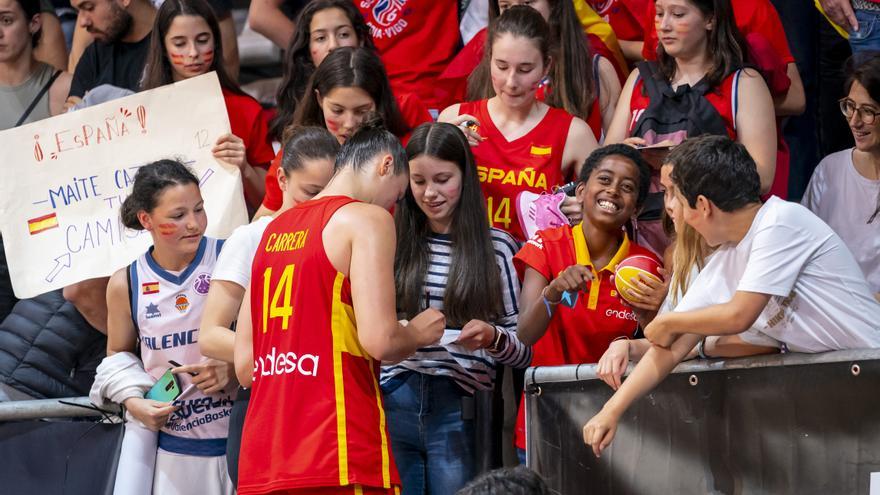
[155, 305]
[185, 39]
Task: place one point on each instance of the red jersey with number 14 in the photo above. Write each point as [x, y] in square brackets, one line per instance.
[315, 417]
[532, 162]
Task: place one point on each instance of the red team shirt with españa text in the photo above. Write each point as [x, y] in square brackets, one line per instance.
[315, 417]
[505, 168]
[583, 333]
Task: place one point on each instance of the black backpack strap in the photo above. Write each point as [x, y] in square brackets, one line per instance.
[650, 82]
[37, 98]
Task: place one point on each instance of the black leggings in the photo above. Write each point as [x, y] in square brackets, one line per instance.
[236, 424]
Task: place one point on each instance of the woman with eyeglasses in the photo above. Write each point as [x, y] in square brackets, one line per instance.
[845, 188]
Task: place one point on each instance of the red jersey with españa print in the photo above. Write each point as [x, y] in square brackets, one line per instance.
[583, 333]
[751, 16]
[505, 168]
[247, 121]
[315, 417]
[416, 39]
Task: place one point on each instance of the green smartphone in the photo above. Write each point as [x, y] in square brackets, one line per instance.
[166, 389]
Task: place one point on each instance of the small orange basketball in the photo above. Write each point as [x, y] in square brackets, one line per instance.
[630, 268]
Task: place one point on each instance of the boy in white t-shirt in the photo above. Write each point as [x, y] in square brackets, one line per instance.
[791, 276]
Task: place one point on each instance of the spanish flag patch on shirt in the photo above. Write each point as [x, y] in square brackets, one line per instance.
[541, 150]
[150, 288]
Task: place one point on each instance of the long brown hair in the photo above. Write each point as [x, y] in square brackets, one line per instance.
[571, 70]
[727, 49]
[473, 284]
[157, 71]
[298, 66]
[349, 67]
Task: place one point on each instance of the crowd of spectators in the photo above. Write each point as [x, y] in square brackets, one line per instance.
[524, 148]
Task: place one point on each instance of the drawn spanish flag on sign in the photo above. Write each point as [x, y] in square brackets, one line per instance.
[43, 223]
[541, 150]
[150, 288]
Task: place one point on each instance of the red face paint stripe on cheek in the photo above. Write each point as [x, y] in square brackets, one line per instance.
[167, 228]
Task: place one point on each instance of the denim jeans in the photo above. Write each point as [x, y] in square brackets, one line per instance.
[867, 38]
[433, 445]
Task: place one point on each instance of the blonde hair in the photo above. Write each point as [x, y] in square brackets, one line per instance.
[689, 250]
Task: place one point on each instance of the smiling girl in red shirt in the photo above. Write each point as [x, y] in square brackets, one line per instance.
[581, 260]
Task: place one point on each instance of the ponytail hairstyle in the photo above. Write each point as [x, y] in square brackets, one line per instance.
[306, 143]
[571, 72]
[726, 46]
[369, 140]
[349, 67]
[473, 289]
[157, 70]
[149, 183]
[865, 68]
[298, 65]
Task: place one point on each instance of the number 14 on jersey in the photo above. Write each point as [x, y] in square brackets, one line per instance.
[280, 304]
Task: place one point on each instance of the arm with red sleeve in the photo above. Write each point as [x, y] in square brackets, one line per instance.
[534, 270]
[273, 199]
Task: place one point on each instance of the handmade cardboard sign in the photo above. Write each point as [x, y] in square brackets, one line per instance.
[63, 179]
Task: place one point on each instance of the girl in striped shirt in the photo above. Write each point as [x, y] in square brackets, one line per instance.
[445, 254]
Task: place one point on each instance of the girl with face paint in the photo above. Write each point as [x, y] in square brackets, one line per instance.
[322, 26]
[349, 84]
[186, 43]
[154, 306]
[583, 79]
[698, 85]
[522, 144]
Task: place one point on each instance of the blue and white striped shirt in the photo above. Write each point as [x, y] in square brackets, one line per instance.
[472, 370]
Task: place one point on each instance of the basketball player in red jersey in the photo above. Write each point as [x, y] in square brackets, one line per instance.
[315, 323]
